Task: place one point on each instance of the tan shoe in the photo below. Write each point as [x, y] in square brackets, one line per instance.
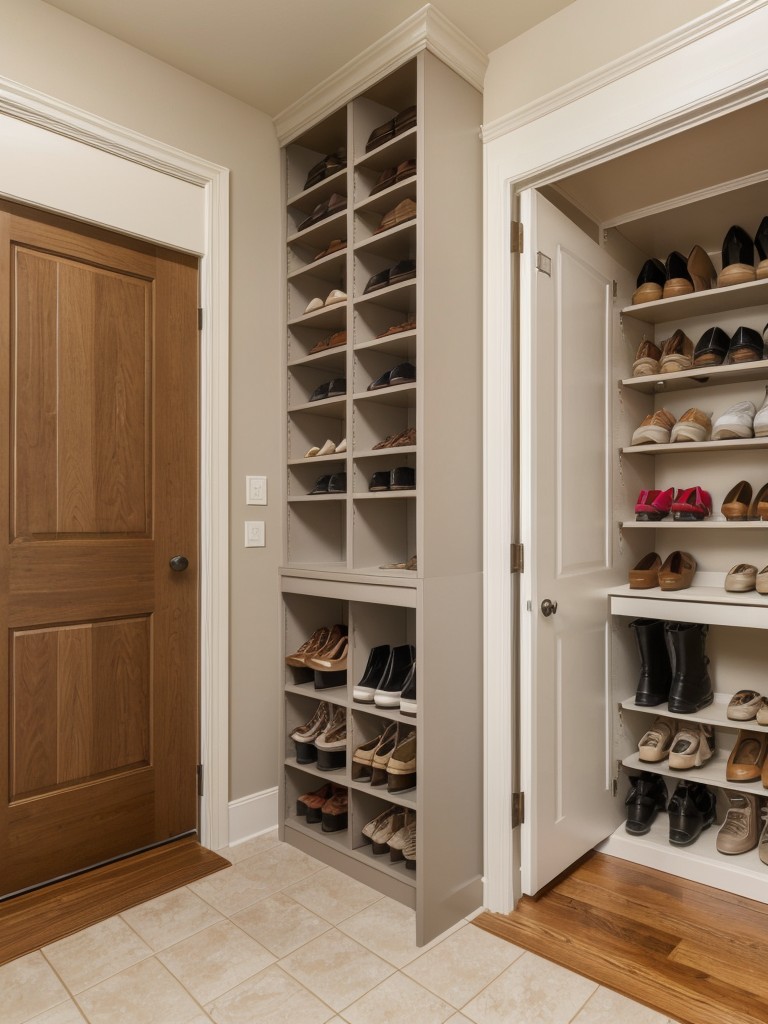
[747, 759]
[676, 353]
[678, 571]
[693, 425]
[382, 835]
[315, 643]
[647, 359]
[736, 504]
[403, 837]
[740, 831]
[656, 428]
[700, 268]
[305, 735]
[657, 741]
[401, 767]
[741, 578]
[362, 759]
[646, 573]
[404, 211]
[692, 746]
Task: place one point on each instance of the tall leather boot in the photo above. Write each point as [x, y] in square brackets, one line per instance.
[655, 668]
[691, 688]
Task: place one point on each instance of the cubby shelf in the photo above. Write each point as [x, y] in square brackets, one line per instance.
[698, 378]
[706, 303]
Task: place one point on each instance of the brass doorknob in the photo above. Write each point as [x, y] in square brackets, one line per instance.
[548, 607]
[179, 563]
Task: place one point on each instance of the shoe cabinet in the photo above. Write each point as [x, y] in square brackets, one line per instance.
[737, 621]
[374, 283]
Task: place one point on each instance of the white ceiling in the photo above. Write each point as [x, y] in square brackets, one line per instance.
[269, 53]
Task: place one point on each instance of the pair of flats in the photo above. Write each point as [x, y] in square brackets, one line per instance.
[393, 831]
[327, 806]
[674, 354]
[327, 448]
[688, 504]
[742, 578]
[661, 427]
[675, 573]
[685, 745]
[388, 758]
[323, 739]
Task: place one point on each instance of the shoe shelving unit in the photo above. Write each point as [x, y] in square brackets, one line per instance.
[737, 621]
[337, 546]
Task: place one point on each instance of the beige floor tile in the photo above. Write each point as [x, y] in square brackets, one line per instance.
[398, 999]
[84, 959]
[279, 866]
[229, 891]
[388, 929]
[531, 990]
[213, 961]
[272, 997]
[458, 1018]
[29, 987]
[336, 969]
[242, 851]
[607, 1007]
[144, 994]
[462, 964]
[280, 924]
[64, 1013]
[170, 918]
[333, 895]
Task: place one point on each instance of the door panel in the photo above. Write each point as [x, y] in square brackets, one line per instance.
[566, 743]
[98, 663]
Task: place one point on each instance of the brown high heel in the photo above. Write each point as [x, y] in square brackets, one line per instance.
[314, 645]
[362, 759]
[310, 804]
[737, 501]
[758, 509]
[330, 659]
[335, 811]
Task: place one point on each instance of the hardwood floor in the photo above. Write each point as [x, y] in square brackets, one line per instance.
[36, 918]
[695, 953]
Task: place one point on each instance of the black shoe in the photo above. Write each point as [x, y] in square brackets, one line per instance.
[321, 485]
[650, 282]
[746, 346]
[691, 810]
[712, 348]
[379, 481]
[402, 271]
[374, 672]
[691, 687]
[402, 479]
[403, 373]
[338, 484]
[647, 796]
[677, 280]
[331, 389]
[408, 704]
[738, 258]
[655, 668]
[400, 667]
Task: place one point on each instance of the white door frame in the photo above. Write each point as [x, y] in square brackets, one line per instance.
[191, 212]
[717, 64]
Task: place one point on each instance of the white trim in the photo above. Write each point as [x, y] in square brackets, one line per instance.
[714, 73]
[52, 115]
[427, 29]
[252, 815]
[680, 37]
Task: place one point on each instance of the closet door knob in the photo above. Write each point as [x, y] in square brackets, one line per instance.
[179, 563]
[548, 607]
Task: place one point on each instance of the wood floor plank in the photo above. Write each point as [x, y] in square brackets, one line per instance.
[605, 921]
[37, 918]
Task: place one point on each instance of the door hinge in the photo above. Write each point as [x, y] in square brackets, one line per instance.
[518, 809]
[200, 775]
[615, 289]
[544, 263]
[516, 236]
[199, 319]
[517, 558]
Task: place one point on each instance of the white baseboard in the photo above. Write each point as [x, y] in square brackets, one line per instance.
[251, 815]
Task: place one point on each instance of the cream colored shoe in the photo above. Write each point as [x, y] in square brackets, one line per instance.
[692, 746]
[657, 741]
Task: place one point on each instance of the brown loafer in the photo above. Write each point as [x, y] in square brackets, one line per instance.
[404, 211]
[646, 573]
[647, 359]
[678, 571]
[735, 507]
[746, 760]
[676, 353]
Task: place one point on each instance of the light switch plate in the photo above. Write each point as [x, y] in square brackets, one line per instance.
[254, 534]
[256, 490]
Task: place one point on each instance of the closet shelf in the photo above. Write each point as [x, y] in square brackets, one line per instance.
[715, 714]
[388, 197]
[406, 449]
[332, 358]
[390, 242]
[308, 198]
[328, 406]
[402, 147]
[697, 447]
[705, 524]
[328, 268]
[698, 378]
[329, 316]
[708, 303]
[400, 296]
[403, 395]
[710, 774]
[333, 694]
[403, 344]
[708, 604]
[323, 231]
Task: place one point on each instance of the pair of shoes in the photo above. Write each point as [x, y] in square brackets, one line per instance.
[691, 809]
[403, 373]
[328, 805]
[686, 745]
[404, 211]
[747, 760]
[675, 354]
[411, 565]
[393, 175]
[674, 667]
[661, 427]
[407, 325]
[738, 255]
[405, 270]
[333, 483]
[402, 845]
[675, 573]
[330, 164]
[388, 758]
[395, 126]
[401, 479]
[403, 439]
[739, 505]
[328, 448]
[335, 203]
[393, 830]
[740, 831]
[389, 679]
[656, 428]
[324, 654]
[336, 245]
[331, 389]
[742, 420]
[331, 341]
[690, 504]
[678, 276]
[714, 347]
[693, 425]
[334, 297]
[323, 739]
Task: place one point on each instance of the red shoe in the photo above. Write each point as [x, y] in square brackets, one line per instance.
[653, 505]
[692, 504]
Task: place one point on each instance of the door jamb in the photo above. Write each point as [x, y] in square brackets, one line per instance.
[51, 115]
[502, 866]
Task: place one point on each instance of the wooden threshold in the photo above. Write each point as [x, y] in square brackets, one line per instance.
[37, 918]
[692, 952]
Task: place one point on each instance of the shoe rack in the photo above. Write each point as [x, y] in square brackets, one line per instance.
[399, 565]
[737, 621]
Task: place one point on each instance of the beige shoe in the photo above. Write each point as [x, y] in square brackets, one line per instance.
[313, 451]
[316, 642]
[743, 705]
[341, 447]
[761, 586]
[676, 353]
[692, 746]
[657, 741]
[693, 425]
[362, 759]
[741, 578]
[740, 832]
[647, 359]
[403, 837]
[656, 428]
[329, 448]
[401, 767]
[331, 744]
[761, 717]
[370, 829]
[385, 831]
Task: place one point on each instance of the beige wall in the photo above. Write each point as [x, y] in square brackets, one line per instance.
[581, 38]
[63, 57]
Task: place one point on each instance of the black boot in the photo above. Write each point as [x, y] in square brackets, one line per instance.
[691, 688]
[655, 668]
[691, 810]
[647, 796]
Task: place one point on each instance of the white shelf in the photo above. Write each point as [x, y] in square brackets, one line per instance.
[706, 604]
[317, 460]
[336, 404]
[333, 694]
[697, 447]
[700, 377]
[400, 394]
[309, 198]
[324, 230]
[710, 774]
[323, 359]
[379, 495]
[408, 227]
[705, 524]
[404, 449]
[707, 303]
[334, 316]
[400, 296]
[391, 153]
[716, 714]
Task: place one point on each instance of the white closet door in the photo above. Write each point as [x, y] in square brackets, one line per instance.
[568, 319]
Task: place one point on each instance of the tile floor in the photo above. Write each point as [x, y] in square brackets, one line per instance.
[278, 937]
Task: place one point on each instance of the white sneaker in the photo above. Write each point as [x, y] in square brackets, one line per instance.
[736, 421]
[761, 418]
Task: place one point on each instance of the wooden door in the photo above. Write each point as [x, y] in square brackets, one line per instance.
[98, 491]
[571, 322]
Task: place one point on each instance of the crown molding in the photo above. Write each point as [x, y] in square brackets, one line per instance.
[427, 29]
[702, 26]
